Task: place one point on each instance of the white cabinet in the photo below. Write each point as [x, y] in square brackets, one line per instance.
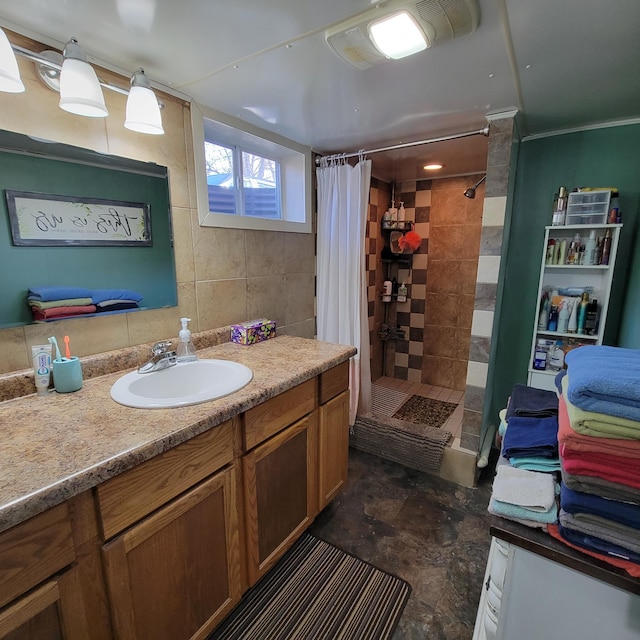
[541, 598]
[562, 277]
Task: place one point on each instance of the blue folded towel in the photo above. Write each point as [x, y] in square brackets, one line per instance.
[605, 380]
[591, 543]
[100, 295]
[514, 511]
[623, 512]
[527, 437]
[533, 463]
[531, 402]
[49, 293]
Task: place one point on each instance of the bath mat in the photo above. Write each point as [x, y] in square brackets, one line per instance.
[421, 410]
[417, 446]
[318, 591]
[385, 401]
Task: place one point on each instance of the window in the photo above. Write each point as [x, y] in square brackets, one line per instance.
[242, 183]
[249, 181]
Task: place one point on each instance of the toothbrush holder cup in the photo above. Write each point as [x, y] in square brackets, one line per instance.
[67, 374]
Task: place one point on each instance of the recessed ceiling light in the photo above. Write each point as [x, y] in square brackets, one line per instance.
[397, 35]
[433, 166]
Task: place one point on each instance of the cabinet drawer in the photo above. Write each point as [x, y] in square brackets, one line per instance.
[268, 418]
[334, 381]
[34, 550]
[135, 493]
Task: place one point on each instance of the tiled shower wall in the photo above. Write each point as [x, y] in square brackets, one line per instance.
[437, 315]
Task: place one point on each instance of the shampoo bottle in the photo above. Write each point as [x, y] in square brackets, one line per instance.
[590, 249]
[186, 351]
[402, 293]
[582, 312]
[572, 325]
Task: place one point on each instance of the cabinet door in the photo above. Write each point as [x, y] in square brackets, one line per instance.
[175, 575]
[280, 487]
[333, 447]
[46, 613]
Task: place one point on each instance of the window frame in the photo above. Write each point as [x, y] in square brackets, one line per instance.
[295, 171]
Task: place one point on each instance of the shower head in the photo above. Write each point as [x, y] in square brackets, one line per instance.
[471, 191]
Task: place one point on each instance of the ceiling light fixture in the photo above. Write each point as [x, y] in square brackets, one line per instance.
[143, 110]
[80, 90]
[397, 35]
[79, 86]
[433, 166]
[9, 74]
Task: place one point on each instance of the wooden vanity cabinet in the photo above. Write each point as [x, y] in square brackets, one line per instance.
[173, 565]
[333, 433]
[279, 475]
[50, 581]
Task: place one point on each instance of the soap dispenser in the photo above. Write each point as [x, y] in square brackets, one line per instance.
[186, 352]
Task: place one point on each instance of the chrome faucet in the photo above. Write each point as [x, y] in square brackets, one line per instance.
[162, 358]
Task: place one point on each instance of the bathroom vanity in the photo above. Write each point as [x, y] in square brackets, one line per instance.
[127, 523]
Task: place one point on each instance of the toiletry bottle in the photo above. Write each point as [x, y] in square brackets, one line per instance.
[572, 326]
[606, 247]
[186, 351]
[402, 293]
[556, 356]
[41, 358]
[550, 249]
[540, 355]
[387, 288]
[562, 256]
[563, 317]
[591, 321]
[559, 207]
[590, 249]
[552, 324]
[543, 317]
[614, 208]
[582, 312]
[401, 213]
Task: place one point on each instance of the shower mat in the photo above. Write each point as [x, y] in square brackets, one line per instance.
[421, 410]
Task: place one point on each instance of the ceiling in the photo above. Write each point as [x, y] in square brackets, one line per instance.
[561, 64]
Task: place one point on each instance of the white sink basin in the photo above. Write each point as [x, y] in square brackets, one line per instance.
[184, 384]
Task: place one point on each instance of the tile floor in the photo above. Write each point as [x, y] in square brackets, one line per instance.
[432, 533]
[454, 422]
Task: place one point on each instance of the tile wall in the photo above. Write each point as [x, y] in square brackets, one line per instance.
[223, 275]
[441, 282]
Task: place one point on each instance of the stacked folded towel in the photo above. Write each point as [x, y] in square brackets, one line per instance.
[599, 439]
[524, 489]
[531, 436]
[525, 496]
[56, 302]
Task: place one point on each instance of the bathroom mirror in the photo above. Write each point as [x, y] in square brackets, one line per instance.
[80, 177]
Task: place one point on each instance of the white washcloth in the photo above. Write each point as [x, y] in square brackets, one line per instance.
[529, 489]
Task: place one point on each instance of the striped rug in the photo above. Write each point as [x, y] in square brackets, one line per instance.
[318, 592]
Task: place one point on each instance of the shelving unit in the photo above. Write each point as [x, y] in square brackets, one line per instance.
[563, 276]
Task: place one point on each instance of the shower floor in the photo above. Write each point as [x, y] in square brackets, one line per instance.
[387, 394]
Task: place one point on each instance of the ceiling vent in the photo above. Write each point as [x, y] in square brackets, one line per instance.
[439, 19]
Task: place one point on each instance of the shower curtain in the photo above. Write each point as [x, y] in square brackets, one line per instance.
[343, 197]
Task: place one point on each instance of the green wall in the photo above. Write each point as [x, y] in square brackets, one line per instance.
[599, 158]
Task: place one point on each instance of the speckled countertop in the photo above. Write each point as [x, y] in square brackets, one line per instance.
[57, 446]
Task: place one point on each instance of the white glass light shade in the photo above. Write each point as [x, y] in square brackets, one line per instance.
[80, 90]
[397, 36]
[9, 74]
[143, 111]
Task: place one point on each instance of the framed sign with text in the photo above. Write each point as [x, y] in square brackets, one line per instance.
[39, 219]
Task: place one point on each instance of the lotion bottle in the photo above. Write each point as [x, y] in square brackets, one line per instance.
[186, 351]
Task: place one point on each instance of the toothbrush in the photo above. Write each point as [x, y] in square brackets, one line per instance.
[54, 342]
[67, 352]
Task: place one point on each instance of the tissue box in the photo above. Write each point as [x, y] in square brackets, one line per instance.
[253, 331]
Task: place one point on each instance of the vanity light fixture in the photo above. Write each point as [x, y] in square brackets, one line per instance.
[80, 90]
[143, 110]
[79, 86]
[433, 166]
[397, 35]
[9, 74]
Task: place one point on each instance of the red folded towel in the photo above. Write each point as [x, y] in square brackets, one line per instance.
[62, 312]
[619, 474]
[580, 442]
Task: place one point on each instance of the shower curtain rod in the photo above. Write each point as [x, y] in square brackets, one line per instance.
[454, 136]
